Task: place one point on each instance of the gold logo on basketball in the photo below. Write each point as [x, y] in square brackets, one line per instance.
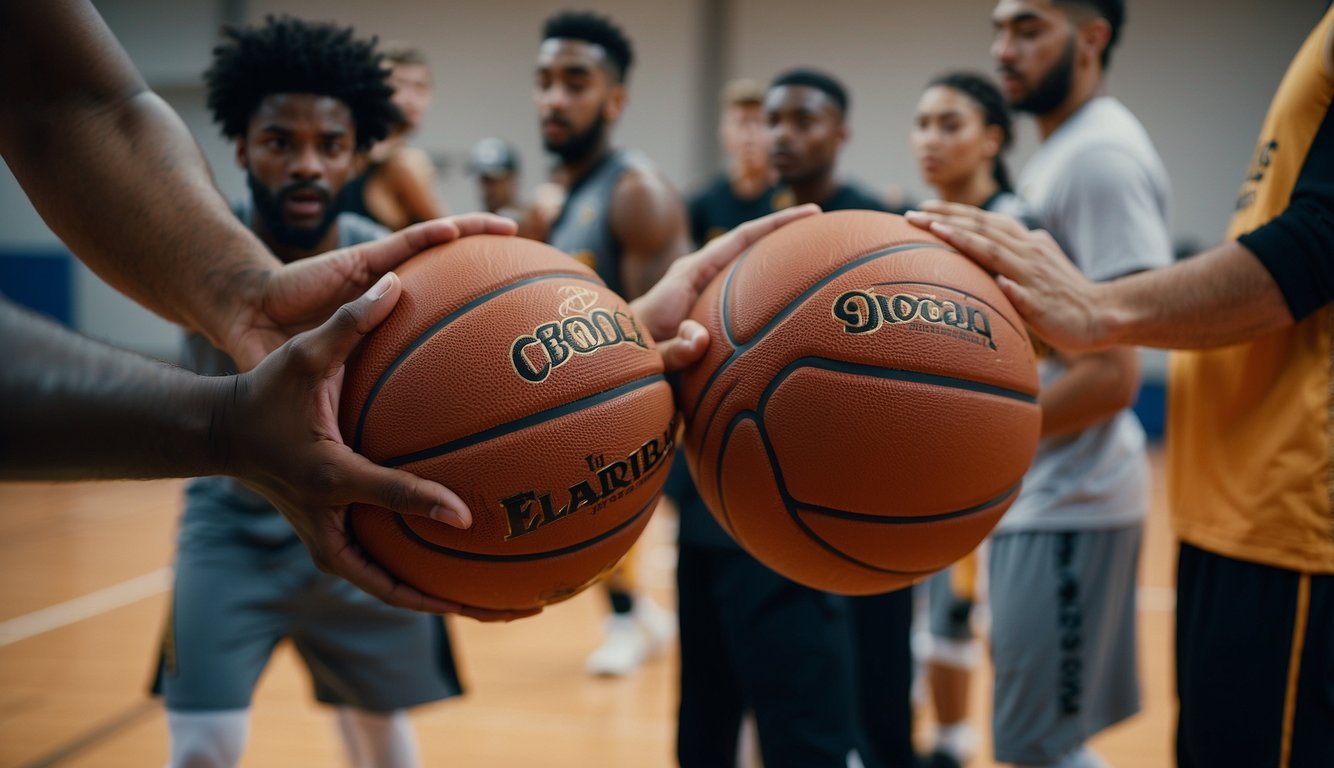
[579, 332]
[864, 312]
[575, 299]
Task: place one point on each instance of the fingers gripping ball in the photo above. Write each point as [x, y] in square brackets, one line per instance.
[510, 374]
[867, 405]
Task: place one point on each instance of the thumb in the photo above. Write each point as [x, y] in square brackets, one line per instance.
[341, 333]
[686, 348]
[404, 493]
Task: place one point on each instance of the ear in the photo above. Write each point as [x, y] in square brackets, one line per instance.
[617, 97]
[844, 132]
[992, 139]
[242, 157]
[1094, 37]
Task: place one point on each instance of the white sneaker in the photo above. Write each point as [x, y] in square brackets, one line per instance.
[657, 623]
[624, 647]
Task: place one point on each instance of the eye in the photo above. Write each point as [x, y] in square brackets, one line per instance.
[276, 143]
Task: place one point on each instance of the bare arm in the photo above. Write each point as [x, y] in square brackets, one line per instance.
[1222, 296]
[412, 176]
[113, 170]
[1094, 387]
[648, 223]
[84, 410]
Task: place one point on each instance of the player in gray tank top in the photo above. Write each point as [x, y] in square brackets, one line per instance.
[621, 218]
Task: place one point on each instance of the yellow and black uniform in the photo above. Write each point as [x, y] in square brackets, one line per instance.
[1251, 466]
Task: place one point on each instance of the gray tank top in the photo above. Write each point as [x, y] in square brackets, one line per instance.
[583, 229]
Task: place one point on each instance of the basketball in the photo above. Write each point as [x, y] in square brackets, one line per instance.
[511, 375]
[867, 406]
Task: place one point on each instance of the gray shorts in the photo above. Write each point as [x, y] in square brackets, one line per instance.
[1062, 638]
[237, 594]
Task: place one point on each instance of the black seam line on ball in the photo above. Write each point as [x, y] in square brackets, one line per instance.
[843, 514]
[525, 422]
[439, 325]
[788, 309]
[530, 556]
[895, 374]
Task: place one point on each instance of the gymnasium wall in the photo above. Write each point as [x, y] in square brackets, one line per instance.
[1199, 73]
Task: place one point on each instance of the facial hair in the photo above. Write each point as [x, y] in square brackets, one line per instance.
[580, 145]
[269, 206]
[1051, 91]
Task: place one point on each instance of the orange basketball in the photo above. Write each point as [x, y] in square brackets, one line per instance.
[867, 405]
[510, 374]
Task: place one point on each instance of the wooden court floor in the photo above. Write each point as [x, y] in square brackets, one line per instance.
[84, 570]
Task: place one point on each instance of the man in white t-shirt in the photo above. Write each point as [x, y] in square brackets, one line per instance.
[1064, 557]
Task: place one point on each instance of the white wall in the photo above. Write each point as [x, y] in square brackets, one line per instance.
[1199, 73]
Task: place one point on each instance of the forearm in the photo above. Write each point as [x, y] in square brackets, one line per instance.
[113, 170]
[78, 409]
[1093, 389]
[1219, 297]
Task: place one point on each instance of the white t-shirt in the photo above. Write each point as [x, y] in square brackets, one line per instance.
[1099, 187]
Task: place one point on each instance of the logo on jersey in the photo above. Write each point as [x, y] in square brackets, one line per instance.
[579, 332]
[529, 510]
[1264, 157]
[864, 312]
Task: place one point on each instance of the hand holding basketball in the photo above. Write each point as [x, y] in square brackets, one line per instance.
[296, 457]
[665, 308]
[1056, 300]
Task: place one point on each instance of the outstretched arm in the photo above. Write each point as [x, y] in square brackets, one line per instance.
[1218, 297]
[113, 170]
[82, 410]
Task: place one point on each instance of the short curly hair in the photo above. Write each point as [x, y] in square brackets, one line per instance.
[288, 55]
[595, 29]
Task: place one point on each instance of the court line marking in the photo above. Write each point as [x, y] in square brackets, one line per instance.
[85, 607]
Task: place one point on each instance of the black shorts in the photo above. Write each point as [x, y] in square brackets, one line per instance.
[1255, 664]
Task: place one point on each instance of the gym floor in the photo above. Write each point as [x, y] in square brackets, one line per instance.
[84, 580]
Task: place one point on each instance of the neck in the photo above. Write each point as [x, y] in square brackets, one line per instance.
[974, 190]
[1079, 95]
[288, 253]
[574, 170]
[814, 190]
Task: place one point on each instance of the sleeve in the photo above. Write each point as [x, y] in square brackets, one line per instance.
[699, 223]
[1110, 219]
[1297, 247]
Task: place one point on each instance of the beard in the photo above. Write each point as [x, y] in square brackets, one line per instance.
[269, 206]
[582, 144]
[1052, 89]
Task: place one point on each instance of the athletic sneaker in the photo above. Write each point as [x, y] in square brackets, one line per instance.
[629, 641]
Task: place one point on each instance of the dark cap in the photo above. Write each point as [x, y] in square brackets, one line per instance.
[493, 158]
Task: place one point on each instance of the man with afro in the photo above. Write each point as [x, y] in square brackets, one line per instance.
[300, 100]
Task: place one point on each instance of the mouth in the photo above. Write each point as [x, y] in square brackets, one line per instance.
[304, 204]
[1010, 82]
[554, 129]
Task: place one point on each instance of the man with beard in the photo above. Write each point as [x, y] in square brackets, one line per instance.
[1063, 559]
[300, 100]
[621, 218]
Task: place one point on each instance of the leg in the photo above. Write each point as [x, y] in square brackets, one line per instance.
[1062, 639]
[792, 647]
[378, 739]
[710, 708]
[208, 739]
[1238, 647]
[882, 626]
[952, 657]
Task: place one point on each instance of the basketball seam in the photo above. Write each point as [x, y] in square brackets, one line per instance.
[785, 310]
[435, 328]
[531, 420]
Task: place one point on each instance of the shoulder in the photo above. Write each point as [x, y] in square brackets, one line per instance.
[641, 184]
[408, 160]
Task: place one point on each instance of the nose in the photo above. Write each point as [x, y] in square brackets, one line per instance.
[1002, 48]
[306, 163]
